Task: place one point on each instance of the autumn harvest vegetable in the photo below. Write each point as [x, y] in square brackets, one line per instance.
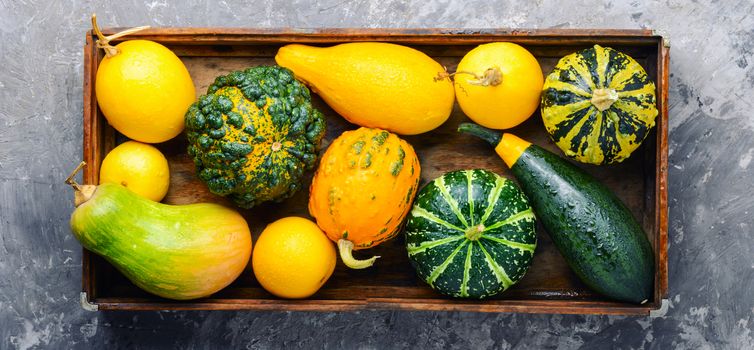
[471, 234]
[143, 88]
[176, 252]
[254, 134]
[139, 167]
[363, 190]
[594, 231]
[498, 84]
[293, 258]
[598, 105]
[377, 85]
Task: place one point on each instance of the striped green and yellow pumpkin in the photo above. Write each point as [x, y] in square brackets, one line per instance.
[471, 234]
[598, 105]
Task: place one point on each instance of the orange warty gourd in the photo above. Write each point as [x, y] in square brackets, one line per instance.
[363, 190]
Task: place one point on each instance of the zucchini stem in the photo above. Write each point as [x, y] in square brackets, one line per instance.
[509, 147]
[345, 248]
[489, 135]
[103, 42]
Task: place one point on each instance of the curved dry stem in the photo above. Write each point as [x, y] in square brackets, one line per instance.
[70, 179]
[345, 248]
[82, 192]
[491, 77]
[103, 42]
[443, 75]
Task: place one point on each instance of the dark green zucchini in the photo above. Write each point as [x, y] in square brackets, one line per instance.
[599, 238]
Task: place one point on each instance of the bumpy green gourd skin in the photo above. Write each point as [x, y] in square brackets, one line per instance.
[597, 235]
[176, 252]
[574, 121]
[254, 134]
[471, 234]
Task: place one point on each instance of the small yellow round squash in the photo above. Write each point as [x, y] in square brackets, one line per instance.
[498, 84]
[363, 190]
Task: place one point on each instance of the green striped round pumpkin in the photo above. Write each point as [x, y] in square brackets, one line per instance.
[471, 234]
[598, 105]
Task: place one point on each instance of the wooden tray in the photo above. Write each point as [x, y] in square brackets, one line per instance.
[548, 287]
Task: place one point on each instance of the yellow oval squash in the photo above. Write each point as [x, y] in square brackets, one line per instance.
[363, 190]
[378, 85]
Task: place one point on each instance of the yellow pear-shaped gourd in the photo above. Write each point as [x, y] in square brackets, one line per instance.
[377, 85]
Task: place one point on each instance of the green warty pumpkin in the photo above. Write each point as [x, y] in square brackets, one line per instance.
[254, 134]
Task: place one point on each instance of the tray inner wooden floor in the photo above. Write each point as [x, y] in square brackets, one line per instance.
[439, 151]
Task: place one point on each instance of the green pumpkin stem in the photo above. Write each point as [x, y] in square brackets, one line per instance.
[489, 135]
[103, 42]
[345, 247]
[473, 233]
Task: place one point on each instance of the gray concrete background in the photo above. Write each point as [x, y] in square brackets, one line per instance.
[711, 202]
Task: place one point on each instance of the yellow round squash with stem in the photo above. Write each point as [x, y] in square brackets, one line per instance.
[363, 190]
[498, 84]
[142, 88]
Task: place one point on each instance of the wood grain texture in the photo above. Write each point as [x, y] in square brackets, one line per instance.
[433, 36]
[90, 149]
[661, 170]
[548, 287]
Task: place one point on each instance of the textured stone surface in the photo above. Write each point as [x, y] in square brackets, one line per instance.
[711, 151]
